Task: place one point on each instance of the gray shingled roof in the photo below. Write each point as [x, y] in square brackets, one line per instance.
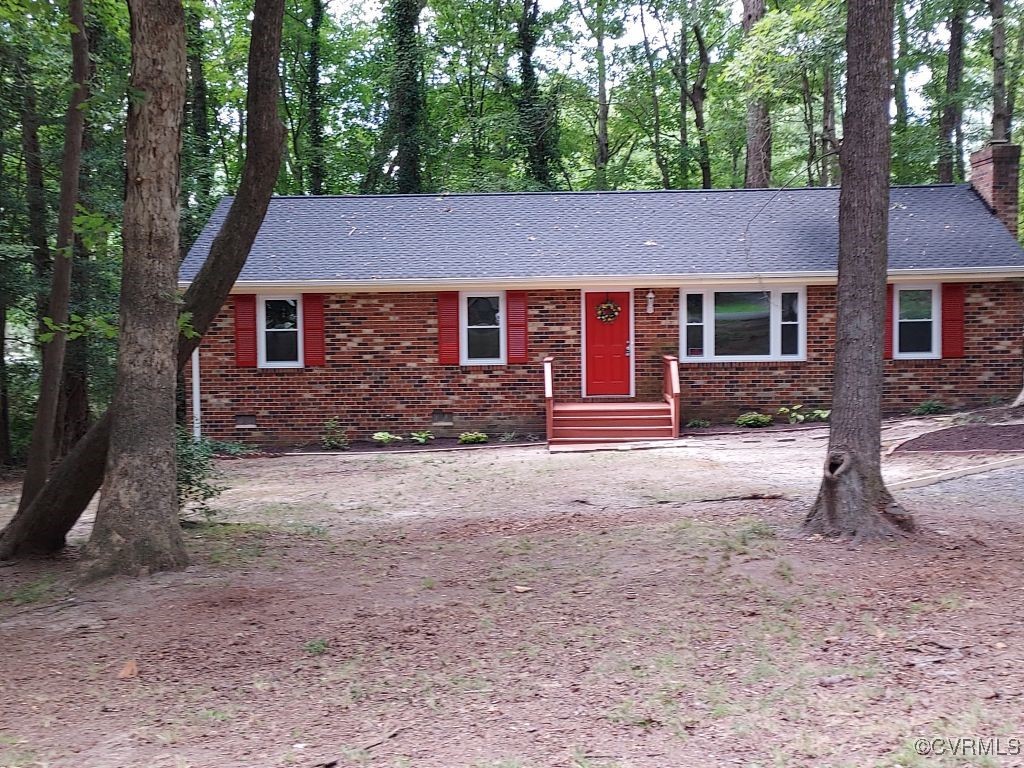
[558, 235]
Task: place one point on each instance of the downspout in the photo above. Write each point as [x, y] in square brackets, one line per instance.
[197, 414]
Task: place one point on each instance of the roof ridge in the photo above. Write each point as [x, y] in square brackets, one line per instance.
[589, 192]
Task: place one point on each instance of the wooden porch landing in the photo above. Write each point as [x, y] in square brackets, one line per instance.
[594, 424]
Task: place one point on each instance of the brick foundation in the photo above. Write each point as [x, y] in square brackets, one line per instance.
[381, 369]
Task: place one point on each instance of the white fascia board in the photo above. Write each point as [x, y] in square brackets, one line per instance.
[823, 277]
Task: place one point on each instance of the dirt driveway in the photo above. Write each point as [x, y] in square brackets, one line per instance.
[514, 609]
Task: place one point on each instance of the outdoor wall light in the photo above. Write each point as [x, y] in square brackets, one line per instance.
[650, 302]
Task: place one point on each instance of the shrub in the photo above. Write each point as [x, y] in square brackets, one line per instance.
[795, 413]
[229, 448]
[334, 437]
[385, 438]
[469, 438]
[754, 420]
[928, 407]
[422, 437]
[697, 424]
[197, 476]
[508, 437]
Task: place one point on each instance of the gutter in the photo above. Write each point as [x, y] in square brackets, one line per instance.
[818, 277]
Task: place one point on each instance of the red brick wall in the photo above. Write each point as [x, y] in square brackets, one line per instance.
[382, 371]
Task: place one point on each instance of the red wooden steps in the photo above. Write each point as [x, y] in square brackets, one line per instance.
[594, 423]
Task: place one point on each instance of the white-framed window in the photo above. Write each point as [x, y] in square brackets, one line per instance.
[917, 322]
[736, 324]
[482, 328]
[279, 331]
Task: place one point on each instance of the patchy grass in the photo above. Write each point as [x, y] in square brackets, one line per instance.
[317, 647]
[35, 591]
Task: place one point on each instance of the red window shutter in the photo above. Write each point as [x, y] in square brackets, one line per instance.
[313, 351]
[887, 341]
[515, 326]
[245, 330]
[448, 328]
[953, 319]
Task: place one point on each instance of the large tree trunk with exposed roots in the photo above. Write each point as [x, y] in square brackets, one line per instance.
[42, 527]
[136, 527]
[853, 500]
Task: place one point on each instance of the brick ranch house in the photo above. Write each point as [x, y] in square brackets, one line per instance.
[596, 316]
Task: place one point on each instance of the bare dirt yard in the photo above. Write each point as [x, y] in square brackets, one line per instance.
[515, 609]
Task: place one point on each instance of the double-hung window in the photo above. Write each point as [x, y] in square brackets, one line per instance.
[279, 336]
[737, 325]
[482, 328]
[917, 323]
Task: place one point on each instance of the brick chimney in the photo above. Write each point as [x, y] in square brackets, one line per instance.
[995, 174]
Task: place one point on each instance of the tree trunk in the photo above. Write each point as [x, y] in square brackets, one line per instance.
[853, 500]
[681, 69]
[73, 406]
[40, 452]
[601, 148]
[6, 452]
[137, 529]
[903, 35]
[952, 109]
[199, 109]
[659, 155]
[43, 526]
[1000, 112]
[408, 94]
[538, 120]
[1013, 81]
[810, 125]
[697, 96]
[375, 171]
[35, 192]
[315, 101]
[73, 416]
[759, 127]
[829, 142]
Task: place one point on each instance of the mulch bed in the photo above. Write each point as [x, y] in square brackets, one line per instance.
[1006, 438]
[438, 443]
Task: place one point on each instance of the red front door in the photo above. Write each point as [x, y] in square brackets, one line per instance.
[607, 345]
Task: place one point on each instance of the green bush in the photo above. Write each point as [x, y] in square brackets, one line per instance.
[422, 437]
[197, 475]
[469, 438]
[795, 413]
[754, 420]
[697, 424]
[229, 448]
[385, 438]
[334, 437]
[928, 407]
